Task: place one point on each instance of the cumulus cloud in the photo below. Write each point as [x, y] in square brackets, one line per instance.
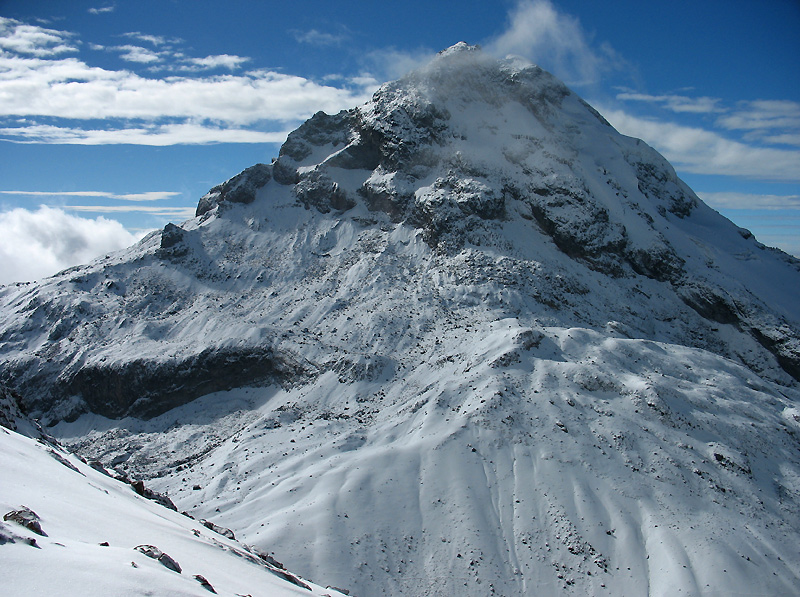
[35, 244]
[32, 40]
[35, 83]
[138, 54]
[706, 152]
[555, 41]
[69, 88]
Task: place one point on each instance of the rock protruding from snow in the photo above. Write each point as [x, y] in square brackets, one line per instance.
[151, 551]
[218, 529]
[27, 518]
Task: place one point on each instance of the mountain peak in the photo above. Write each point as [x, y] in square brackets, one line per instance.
[469, 308]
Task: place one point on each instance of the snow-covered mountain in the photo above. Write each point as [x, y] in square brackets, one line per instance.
[464, 339]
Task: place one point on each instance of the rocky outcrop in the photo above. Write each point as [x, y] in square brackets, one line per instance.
[241, 188]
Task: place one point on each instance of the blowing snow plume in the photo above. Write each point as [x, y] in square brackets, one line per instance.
[463, 339]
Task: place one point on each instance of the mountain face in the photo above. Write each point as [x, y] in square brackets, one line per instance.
[464, 339]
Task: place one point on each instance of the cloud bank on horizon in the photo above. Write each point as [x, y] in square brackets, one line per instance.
[36, 244]
[54, 91]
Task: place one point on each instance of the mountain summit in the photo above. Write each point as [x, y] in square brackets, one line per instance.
[463, 339]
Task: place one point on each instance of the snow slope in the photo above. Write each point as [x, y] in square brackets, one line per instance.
[464, 339]
[90, 525]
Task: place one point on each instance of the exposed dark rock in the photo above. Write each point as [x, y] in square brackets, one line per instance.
[316, 189]
[659, 263]
[321, 129]
[62, 460]
[709, 304]
[266, 557]
[151, 551]
[173, 242]
[225, 532]
[204, 583]
[27, 518]
[145, 492]
[284, 171]
[145, 388]
[7, 535]
[98, 466]
[580, 228]
[9, 408]
[241, 188]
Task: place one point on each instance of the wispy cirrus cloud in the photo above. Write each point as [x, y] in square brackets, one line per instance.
[102, 9]
[156, 40]
[315, 37]
[156, 135]
[734, 200]
[677, 103]
[702, 151]
[769, 121]
[148, 196]
[178, 212]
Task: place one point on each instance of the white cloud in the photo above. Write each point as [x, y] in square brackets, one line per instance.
[677, 103]
[230, 62]
[704, 152]
[318, 38]
[137, 54]
[761, 116]
[179, 213]
[31, 40]
[390, 63]
[35, 244]
[156, 40]
[136, 109]
[555, 41]
[725, 200]
[782, 139]
[148, 196]
[102, 9]
[152, 135]
[69, 88]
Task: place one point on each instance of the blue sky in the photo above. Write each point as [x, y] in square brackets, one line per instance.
[117, 116]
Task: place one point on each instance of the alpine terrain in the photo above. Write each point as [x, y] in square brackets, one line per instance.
[465, 339]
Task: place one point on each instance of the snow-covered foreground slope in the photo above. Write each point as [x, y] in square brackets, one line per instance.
[90, 526]
[463, 339]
